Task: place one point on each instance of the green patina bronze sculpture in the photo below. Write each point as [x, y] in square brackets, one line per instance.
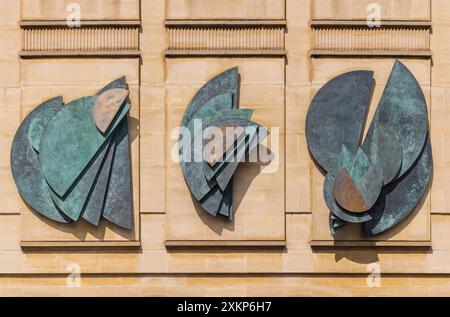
[378, 181]
[71, 161]
[214, 111]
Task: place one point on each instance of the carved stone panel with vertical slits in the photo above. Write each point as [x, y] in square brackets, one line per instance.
[226, 38]
[59, 40]
[389, 40]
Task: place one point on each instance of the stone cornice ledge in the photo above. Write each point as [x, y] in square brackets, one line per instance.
[111, 53]
[79, 245]
[225, 23]
[260, 244]
[411, 54]
[232, 53]
[363, 23]
[63, 23]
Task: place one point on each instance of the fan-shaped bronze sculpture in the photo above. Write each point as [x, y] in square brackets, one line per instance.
[380, 181]
[71, 161]
[210, 179]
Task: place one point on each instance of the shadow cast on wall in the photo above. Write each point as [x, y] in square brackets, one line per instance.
[243, 178]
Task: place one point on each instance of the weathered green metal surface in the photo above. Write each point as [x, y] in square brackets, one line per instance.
[227, 116]
[370, 185]
[224, 83]
[401, 197]
[357, 190]
[213, 201]
[89, 173]
[93, 209]
[226, 175]
[386, 151]
[38, 124]
[118, 207]
[402, 108]
[117, 204]
[214, 105]
[211, 171]
[390, 172]
[249, 128]
[196, 180]
[70, 141]
[346, 159]
[75, 199]
[211, 108]
[219, 202]
[226, 205]
[26, 168]
[222, 104]
[336, 117]
[244, 141]
[193, 170]
[360, 166]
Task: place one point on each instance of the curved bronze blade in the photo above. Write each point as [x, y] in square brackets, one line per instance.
[386, 152]
[26, 168]
[92, 211]
[403, 108]
[38, 124]
[401, 197]
[224, 83]
[336, 117]
[118, 206]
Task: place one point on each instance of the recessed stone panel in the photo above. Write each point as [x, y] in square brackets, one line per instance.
[360, 9]
[88, 9]
[44, 78]
[415, 229]
[258, 193]
[230, 9]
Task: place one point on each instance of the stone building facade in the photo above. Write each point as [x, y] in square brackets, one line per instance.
[279, 242]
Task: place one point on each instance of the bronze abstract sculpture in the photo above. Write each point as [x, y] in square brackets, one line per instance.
[72, 161]
[209, 176]
[378, 181]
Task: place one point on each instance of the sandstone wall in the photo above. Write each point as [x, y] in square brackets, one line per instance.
[282, 207]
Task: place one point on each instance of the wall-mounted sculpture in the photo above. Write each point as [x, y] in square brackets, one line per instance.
[73, 161]
[210, 177]
[380, 180]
